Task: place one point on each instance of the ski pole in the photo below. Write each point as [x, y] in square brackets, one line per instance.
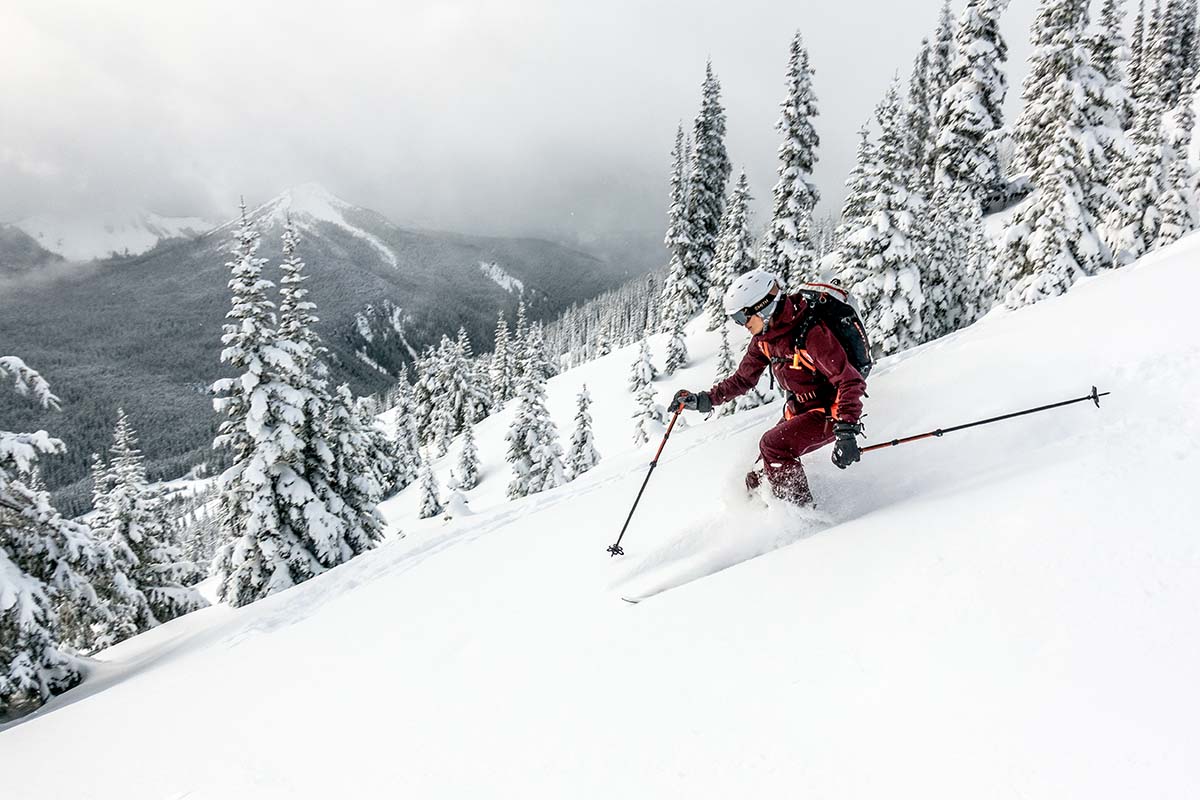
[1094, 397]
[615, 547]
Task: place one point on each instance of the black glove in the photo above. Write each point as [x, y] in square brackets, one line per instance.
[845, 448]
[698, 401]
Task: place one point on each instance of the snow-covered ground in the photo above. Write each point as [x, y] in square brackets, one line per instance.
[1004, 612]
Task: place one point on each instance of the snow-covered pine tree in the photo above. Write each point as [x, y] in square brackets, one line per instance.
[278, 532]
[357, 445]
[431, 504]
[378, 450]
[890, 291]
[735, 251]
[947, 280]
[102, 478]
[676, 238]
[970, 114]
[349, 461]
[467, 473]
[709, 175]
[725, 368]
[47, 564]
[787, 248]
[1057, 34]
[1137, 49]
[938, 80]
[642, 371]
[144, 546]
[977, 293]
[680, 291]
[918, 125]
[648, 414]
[582, 455]
[1131, 225]
[1106, 115]
[516, 349]
[502, 384]
[1177, 35]
[473, 384]
[1148, 90]
[677, 353]
[533, 448]
[407, 442]
[446, 399]
[1048, 245]
[538, 357]
[602, 347]
[1177, 202]
[860, 189]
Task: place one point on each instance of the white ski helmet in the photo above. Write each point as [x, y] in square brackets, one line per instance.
[750, 294]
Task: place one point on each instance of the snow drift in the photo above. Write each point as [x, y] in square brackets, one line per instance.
[1006, 612]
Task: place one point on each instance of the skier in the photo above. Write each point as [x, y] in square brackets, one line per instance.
[825, 391]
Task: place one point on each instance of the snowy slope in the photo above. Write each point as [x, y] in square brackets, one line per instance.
[1006, 612]
[85, 238]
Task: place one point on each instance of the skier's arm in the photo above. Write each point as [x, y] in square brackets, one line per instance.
[742, 381]
[827, 354]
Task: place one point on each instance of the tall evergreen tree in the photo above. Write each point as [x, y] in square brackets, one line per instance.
[918, 121]
[890, 289]
[408, 443]
[533, 448]
[1106, 115]
[278, 531]
[860, 190]
[1048, 245]
[582, 455]
[947, 281]
[1137, 74]
[502, 388]
[677, 239]
[47, 564]
[735, 251]
[709, 174]
[642, 371]
[787, 247]
[467, 473]
[1177, 201]
[143, 542]
[941, 60]
[677, 352]
[516, 349]
[725, 368]
[1057, 34]
[649, 413]
[1131, 224]
[970, 115]
[431, 504]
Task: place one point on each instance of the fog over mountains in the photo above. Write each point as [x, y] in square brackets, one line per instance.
[143, 331]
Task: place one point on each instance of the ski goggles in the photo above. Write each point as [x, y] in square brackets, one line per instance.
[763, 308]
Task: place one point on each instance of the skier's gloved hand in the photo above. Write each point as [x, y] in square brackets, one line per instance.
[692, 401]
[845, 446]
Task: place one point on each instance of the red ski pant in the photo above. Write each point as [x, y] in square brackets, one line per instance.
[782, 446]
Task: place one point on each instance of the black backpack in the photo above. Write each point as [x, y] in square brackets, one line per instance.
[836, 308]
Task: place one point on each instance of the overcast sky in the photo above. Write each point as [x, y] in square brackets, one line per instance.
[524, 116]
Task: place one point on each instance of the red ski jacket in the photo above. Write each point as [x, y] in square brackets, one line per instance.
[817, 374]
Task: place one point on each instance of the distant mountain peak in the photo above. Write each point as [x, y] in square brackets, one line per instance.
[113, 233]
[309, 204]
[311, 200]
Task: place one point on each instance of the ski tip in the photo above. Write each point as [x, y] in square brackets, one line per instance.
[631, 600]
